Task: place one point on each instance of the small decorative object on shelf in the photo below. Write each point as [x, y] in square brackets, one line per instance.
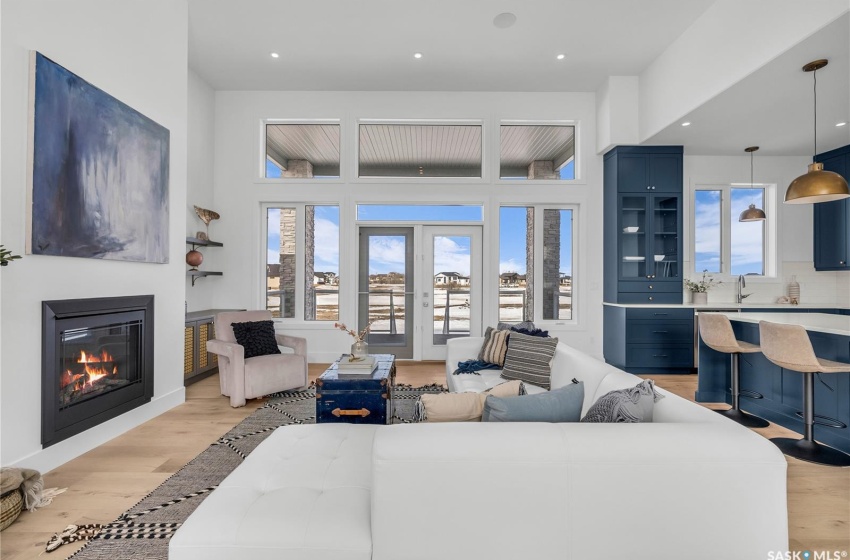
[6, 256]
[794, 291]
[207, 216]
[202, 235]
[699, 289]
[360, 348]
[194, 259]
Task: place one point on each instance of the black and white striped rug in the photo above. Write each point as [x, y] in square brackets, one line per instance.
[143, 530]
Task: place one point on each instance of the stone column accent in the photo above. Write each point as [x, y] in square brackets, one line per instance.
[298, 168]
[543, 169]
[287, 262]
[309, 264]
[528, 312]
[551, 262]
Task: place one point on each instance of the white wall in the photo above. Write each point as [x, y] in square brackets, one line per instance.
[239, 192]
[728, 42]
[199, 187]
[137, 52]
[794, 229]
[617, 112]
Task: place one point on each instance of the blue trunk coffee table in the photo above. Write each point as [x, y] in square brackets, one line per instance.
[362, 399]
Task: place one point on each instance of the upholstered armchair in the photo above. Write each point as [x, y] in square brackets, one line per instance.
[255, 377]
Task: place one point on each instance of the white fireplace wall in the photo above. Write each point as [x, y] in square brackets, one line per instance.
[138, 53]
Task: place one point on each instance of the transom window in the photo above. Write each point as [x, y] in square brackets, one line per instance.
[302, 151]
[721, 244]
[537, 152]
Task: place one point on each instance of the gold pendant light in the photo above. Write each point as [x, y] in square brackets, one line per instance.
[752, 214]
[817, 185]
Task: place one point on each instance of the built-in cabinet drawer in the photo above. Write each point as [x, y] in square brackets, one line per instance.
[647, 287]
[659, 357]
[650, 298]
[660, 332]
[663, 313]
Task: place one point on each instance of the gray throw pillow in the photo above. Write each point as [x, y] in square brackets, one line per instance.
[508, 326]
[631, 405]
[529, 359]
[559, 405]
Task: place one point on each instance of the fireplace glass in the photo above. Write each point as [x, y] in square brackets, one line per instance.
[98, 360]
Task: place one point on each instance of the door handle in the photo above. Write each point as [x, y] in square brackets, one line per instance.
[363, 412]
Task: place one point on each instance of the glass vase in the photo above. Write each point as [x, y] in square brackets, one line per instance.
[359, 350]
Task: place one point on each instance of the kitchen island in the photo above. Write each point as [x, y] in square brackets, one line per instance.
[776, 394]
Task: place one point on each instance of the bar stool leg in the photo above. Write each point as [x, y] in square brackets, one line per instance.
[735, 413]
[807, 449]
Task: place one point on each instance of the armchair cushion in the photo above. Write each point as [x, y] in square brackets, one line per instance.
[257, 337]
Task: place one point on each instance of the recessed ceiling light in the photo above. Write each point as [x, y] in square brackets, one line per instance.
[686, 124]
[417, 55]
[840, 124]
[274, 55]
[560, 56]
[504, 20]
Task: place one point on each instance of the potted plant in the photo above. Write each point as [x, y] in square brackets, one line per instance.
[699, 289]
[6, 256]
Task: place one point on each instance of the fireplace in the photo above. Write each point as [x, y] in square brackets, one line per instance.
[97, 362]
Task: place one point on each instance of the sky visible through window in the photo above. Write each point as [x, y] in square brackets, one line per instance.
[746, 238]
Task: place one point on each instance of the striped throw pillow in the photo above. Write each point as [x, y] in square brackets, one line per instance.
[495, 346]
[529, 359]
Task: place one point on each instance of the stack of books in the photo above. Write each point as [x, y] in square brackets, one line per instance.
[364, 367]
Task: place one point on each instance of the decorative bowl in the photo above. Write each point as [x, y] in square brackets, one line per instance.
[659, 258]
[631, 229]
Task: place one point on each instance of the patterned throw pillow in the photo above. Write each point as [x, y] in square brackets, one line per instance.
[495, 346]
[529, 359]
[630, 405]
[461, 407]
[257, 337]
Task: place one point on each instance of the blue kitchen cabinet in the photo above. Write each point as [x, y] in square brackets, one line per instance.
[643, 225]
[649, 339]
[832, 219]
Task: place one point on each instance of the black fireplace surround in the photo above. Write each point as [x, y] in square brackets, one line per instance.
[97, 362]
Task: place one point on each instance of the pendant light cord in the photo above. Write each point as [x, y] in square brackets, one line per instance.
[815, 74]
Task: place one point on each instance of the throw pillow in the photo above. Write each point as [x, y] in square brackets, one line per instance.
[495, 346]
[508, 326]
[529, 359]
[461, 407]
[631, 405]
[257, 337]
[558, 405]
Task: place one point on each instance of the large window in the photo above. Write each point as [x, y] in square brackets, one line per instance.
[536, 261]
[724, 245]
[302, 150]
[315, 260]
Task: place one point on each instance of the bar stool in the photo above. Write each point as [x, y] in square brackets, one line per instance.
[789, 347]
[716, 331]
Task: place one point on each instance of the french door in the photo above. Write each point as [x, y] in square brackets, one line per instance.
[419, 285]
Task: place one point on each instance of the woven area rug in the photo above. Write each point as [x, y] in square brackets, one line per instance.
[143, 531]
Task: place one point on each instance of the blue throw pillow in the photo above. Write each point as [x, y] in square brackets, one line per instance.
[531, 332]
[558, 405]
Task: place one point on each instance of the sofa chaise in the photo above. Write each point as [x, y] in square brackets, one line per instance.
[691, 484]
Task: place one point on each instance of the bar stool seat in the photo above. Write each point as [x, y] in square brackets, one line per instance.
[716, 331]
[789, 347]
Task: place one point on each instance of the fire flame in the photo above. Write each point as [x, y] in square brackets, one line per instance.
[94, 366]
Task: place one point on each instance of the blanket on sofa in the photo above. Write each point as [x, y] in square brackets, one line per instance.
[473, 366]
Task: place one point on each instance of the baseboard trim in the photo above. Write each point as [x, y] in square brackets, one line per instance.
[60, 453]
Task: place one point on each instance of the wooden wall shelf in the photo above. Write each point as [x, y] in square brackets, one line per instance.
[194, 274]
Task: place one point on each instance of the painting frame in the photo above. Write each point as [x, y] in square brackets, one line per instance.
[98, 172]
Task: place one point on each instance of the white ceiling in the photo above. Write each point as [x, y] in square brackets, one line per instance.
[368, 45]
[773, 107]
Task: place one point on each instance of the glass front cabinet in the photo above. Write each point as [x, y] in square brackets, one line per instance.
[643, 231]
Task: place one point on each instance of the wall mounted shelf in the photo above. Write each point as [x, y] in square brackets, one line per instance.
[194, 274]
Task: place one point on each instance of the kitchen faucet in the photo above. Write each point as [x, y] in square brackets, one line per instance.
[741, 284]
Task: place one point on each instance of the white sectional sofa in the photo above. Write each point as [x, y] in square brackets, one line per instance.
[692, 484]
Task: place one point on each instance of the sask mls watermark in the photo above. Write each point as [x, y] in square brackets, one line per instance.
[807, 555]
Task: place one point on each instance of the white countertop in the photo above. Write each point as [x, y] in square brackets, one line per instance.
[745, 305]
[819, 322]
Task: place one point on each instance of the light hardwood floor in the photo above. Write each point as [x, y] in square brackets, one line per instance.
[106, 481]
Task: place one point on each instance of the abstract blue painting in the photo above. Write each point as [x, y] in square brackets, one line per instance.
[99, 172]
